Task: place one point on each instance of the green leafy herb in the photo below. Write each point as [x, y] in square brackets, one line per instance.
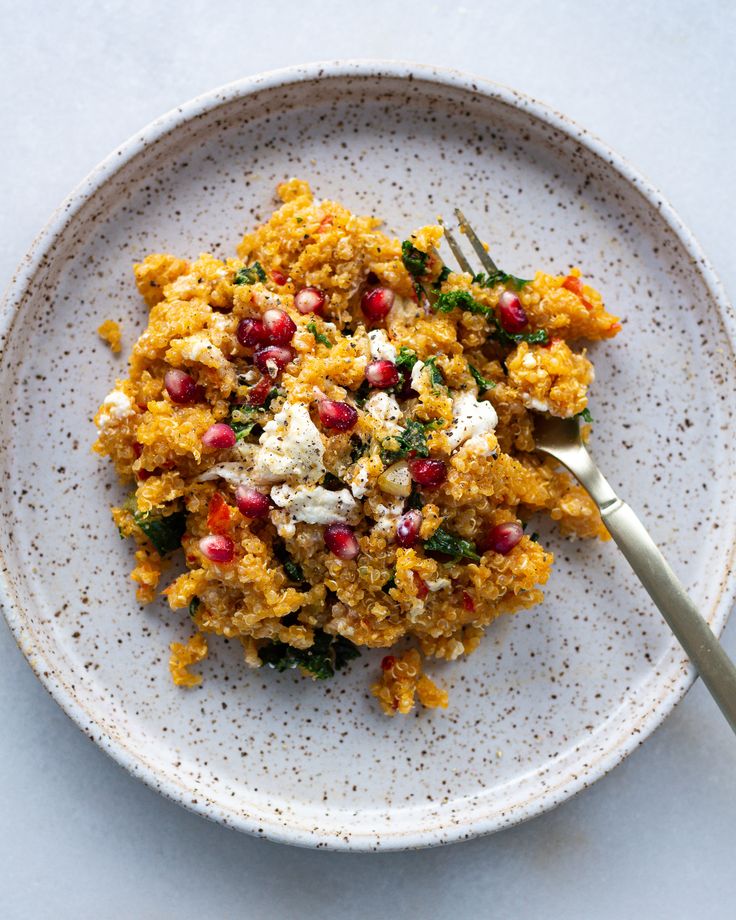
[415, 502]
[411, 442]
[294, 570]
[585, 416]
[362, 393]
[406, 359]
[250, 275]
[435, 374]
[460, 300]
[415, 261]
[463, 300]
[534, 537]
[165, 532]
[443, 275]
[322, 659]
[483, 382]
[391, 583]
[357, 447]
[319, 336]
[498, 277]
[442, 541]
[194, 605]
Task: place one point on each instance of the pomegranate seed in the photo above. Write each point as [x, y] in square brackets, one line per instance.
[279, 326]
[273, 359]
[407, 528]
[341, 541]
[219, 436]
[251, 332]
[387, 662]
[511, 314]
[182, 388]
[428, 472]
[142, 475]
[251, 502]
[309, 300]
[217, 548]
[258, 393]
[137, 449]
[468, 602]
[382, 373]
[337, 415]
[421, 586]
[502, 538]
[377, 303]
[278, 277]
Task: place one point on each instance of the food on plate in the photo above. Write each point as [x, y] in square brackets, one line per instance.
[337, 429]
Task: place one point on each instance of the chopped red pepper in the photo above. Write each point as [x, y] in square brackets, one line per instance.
[421, 584]
[325, 223]
[574, 284]
[388, 662]
[468, 602]
[278, 277]
[218, 514]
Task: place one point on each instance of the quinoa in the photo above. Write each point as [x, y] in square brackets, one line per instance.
[333, 489]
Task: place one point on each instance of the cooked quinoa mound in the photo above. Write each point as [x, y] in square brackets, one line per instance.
[338, 431]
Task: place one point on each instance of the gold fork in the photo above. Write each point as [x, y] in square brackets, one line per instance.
[560, 438]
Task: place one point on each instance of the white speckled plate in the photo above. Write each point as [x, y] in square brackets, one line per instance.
[554, 697]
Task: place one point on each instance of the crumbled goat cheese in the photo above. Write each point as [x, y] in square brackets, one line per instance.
[383, 408]
[416, 372]
[538, 405]
[315, 504]
[116, 405]
[381, 348]
[231, 471]
[438, 584]
[291, 446]
[471, 419]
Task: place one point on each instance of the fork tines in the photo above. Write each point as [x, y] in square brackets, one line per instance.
[474, 240]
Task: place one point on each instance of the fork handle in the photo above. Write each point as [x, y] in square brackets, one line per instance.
[682, 616]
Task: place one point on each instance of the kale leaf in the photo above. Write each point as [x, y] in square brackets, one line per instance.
[483, 382]
[464, 300]
[411, 442]
[585, 416]
[498, 277]
[165, 532]
[194, 605]
[442, 541]
[250, 274]
[406, 359]
[443, 275]
[435, 374]
[319, 336]
[294, 570]
[415, 261]
[322, 659]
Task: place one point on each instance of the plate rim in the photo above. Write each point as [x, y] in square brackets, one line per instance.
[445, 78]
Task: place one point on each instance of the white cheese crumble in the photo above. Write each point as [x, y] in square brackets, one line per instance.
[384, 409]
[438, 584]
[529, 360]
[232, 471]
[471, 419]
[314, 504]
[381, 348]
[291, 446]
[416, 372]
[359, 481]
[198, 347]
[538, 405]
[387, 516]
[116, 405]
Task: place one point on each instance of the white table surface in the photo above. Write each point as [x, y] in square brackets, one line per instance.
[80, 838]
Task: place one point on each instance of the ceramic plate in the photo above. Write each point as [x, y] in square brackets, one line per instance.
[555, 696]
